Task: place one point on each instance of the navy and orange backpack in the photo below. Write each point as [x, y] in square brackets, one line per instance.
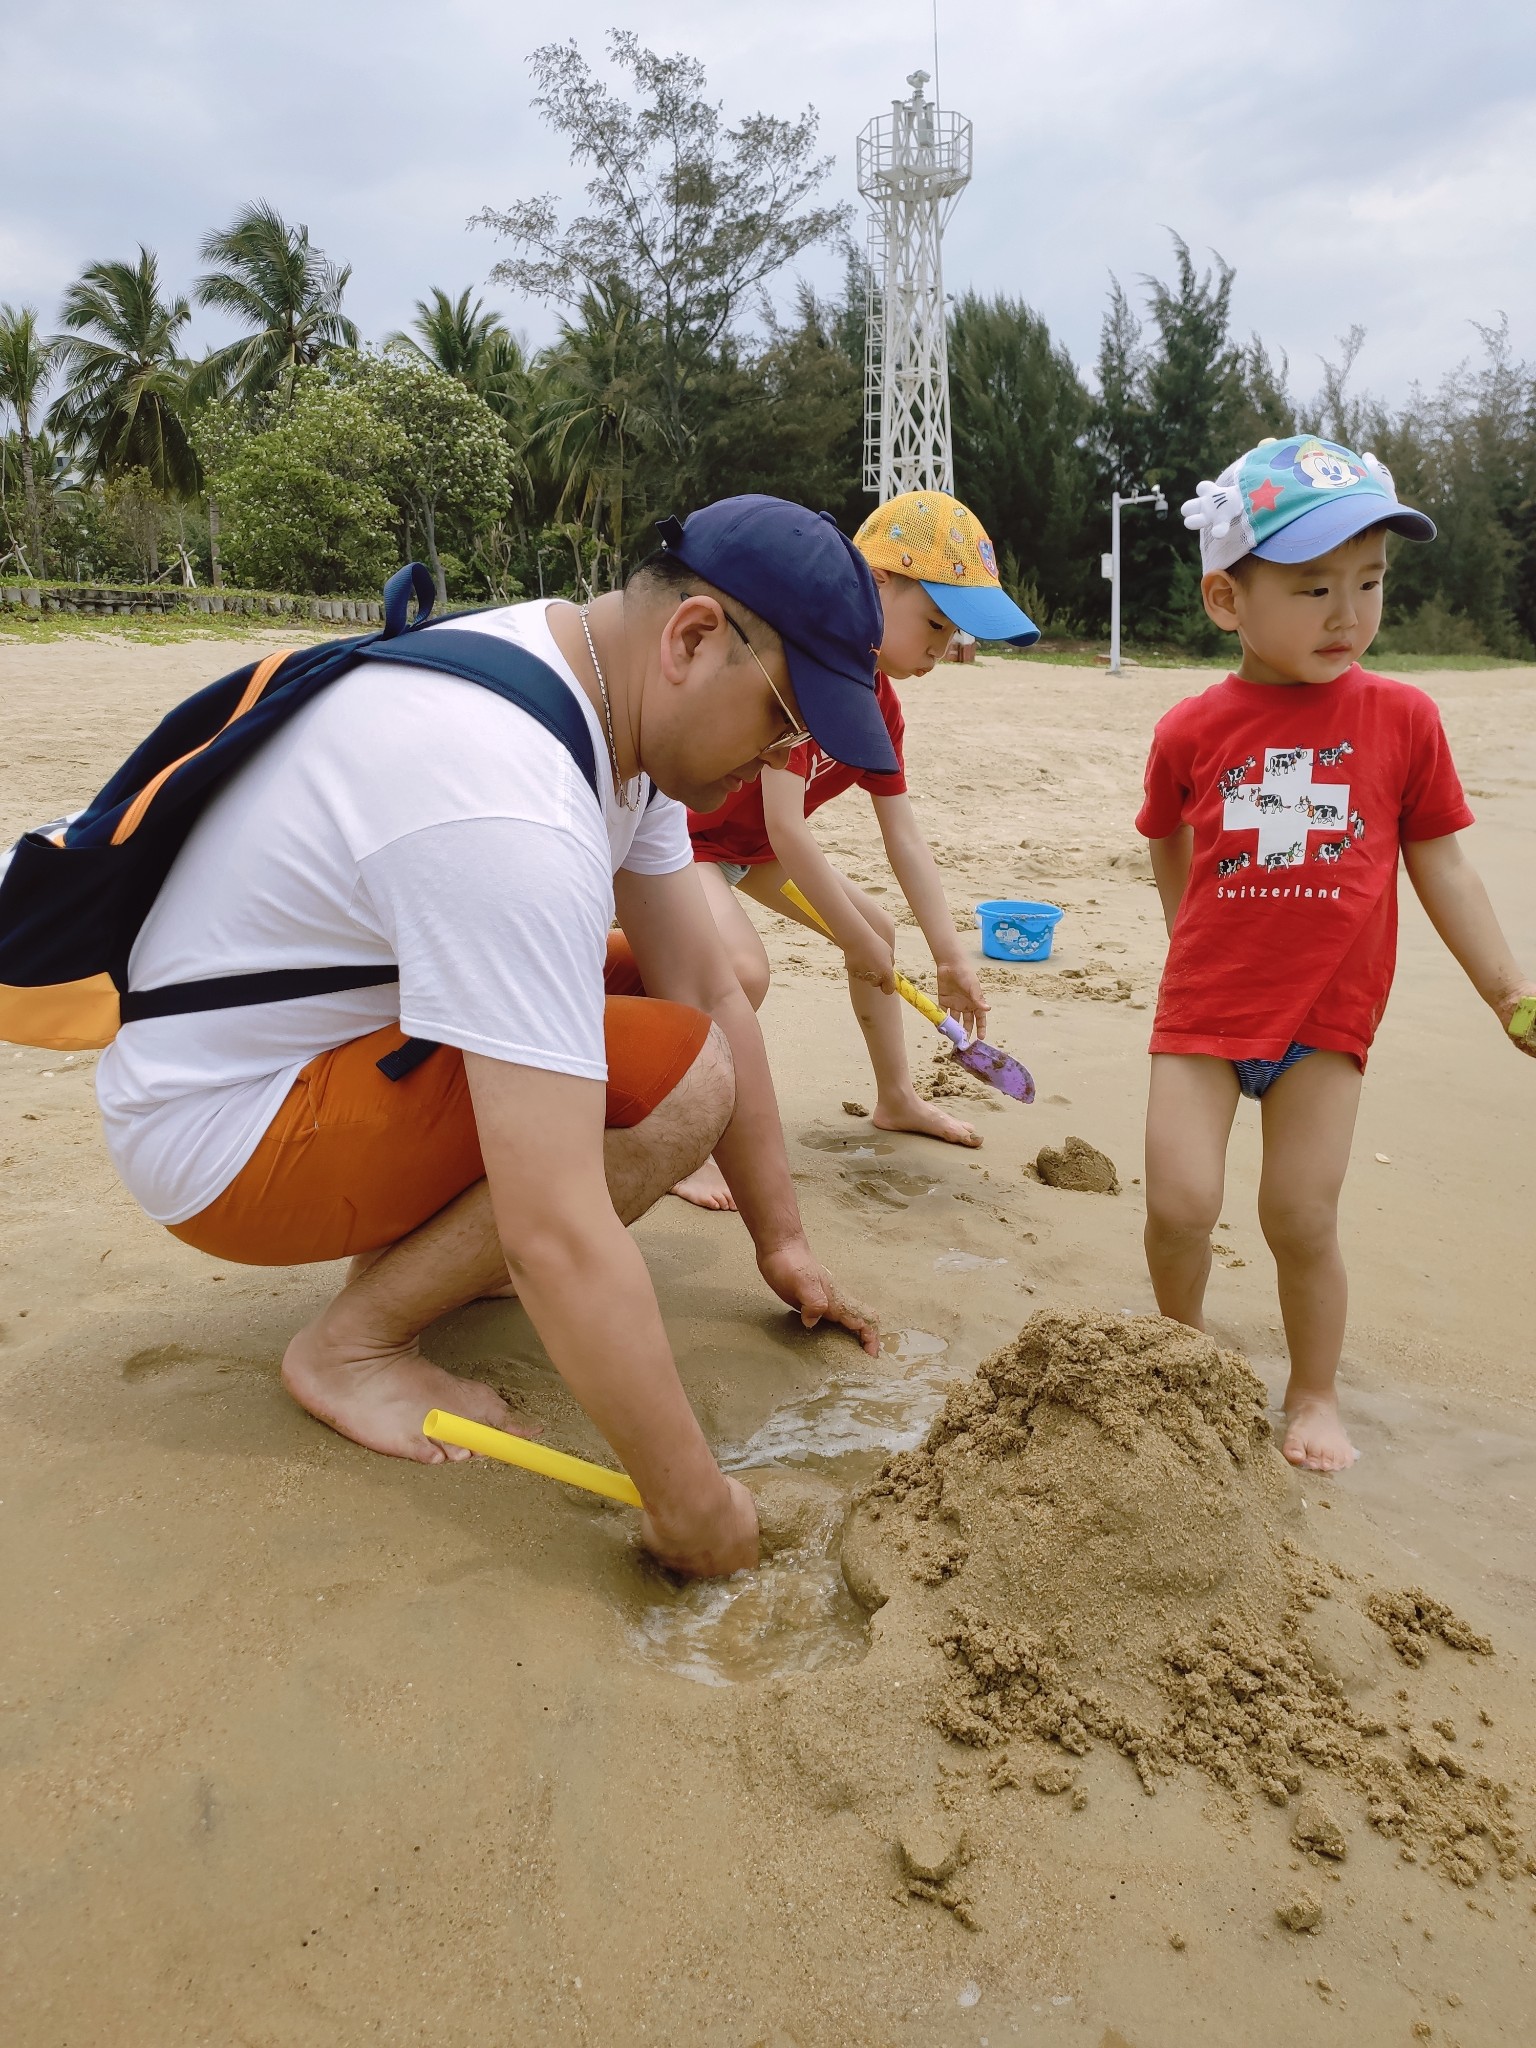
[74, 894]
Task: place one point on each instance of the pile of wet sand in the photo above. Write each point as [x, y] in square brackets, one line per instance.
[1100, 1540]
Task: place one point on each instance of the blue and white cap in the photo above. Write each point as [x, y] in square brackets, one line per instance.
[1293, 500]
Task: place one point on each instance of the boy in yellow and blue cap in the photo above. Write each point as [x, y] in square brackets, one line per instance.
[1277, 805]
[937, 575]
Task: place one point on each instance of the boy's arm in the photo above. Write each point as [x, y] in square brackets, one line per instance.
[794, 845]
[1171, 860]
[1452, 893]
[917, 872]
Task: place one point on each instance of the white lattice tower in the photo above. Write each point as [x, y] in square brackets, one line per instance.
[913, 165]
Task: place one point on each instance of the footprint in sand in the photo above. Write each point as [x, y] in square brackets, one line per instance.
[158, 1358]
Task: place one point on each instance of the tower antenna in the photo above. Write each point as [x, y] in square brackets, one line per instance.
[913, 165]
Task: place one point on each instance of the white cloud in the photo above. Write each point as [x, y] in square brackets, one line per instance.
[1356, 163]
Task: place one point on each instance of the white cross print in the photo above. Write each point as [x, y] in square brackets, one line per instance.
[1285, 806]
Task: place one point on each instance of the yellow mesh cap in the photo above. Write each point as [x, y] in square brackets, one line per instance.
[930, 537]
[941, 544]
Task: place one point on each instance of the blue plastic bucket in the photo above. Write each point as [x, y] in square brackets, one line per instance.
[1017, 931]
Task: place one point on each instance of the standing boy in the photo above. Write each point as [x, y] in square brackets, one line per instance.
[937, 573]
[1277, 803]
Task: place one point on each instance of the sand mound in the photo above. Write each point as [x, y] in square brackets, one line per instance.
[1099, 1537]
[1080, 1166]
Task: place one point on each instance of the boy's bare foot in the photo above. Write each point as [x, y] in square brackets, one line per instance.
[706, 1189]
[925, 1120]
[1315, 1437]
[381, 1400]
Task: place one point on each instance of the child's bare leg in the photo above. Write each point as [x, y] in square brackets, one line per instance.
[898, 1106]
[1309, 1120]
[1191, 1101]
[706, 1189]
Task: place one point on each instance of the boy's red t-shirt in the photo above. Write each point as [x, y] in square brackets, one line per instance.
[736, 832]
[1300, 796]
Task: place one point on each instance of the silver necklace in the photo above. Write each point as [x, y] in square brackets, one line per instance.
[626, 794]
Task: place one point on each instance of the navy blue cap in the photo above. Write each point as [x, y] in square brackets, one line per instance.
[807, 580]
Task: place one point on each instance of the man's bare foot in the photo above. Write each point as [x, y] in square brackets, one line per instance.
[381, 1400]
[706, 1189]
[926, 1120]
[1315, 1438]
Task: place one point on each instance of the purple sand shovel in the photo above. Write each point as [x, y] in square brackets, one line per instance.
[998, 1069]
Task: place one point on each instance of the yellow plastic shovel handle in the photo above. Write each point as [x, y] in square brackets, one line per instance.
[919, 1000]
[519, 1450]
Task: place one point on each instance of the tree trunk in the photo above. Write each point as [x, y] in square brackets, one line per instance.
[215, 573]
[154, 556]
[429, 534]
[29, 491]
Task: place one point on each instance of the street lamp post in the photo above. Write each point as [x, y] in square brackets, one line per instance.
[1159, 503]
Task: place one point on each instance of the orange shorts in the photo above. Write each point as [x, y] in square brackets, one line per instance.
[353, 1162]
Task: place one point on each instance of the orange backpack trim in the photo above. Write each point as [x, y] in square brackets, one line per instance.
[133, 817]
[65, 1016]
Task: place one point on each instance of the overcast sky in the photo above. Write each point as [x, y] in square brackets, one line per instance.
[1356, 160]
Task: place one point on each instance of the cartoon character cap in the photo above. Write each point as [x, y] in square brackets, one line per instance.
[1293, 500]
[935, 540]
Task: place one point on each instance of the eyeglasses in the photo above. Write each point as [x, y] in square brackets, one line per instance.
[797, 734]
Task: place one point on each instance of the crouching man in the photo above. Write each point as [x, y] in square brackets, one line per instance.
[407, 816]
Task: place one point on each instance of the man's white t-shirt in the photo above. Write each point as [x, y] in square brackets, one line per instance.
[401, 818]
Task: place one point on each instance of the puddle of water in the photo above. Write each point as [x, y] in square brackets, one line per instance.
[852, 1418]
[954, 1261]
[852, 1146]
[794, 1613]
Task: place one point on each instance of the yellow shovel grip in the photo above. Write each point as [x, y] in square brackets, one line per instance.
[908, 989]
[532, 1457]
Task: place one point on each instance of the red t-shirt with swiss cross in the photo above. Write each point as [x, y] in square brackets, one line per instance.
[1300, 796]
[736, 832]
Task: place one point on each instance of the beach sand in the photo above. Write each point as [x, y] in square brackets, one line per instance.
[305, 1746]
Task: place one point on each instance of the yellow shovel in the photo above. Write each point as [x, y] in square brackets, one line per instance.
[458, 1430]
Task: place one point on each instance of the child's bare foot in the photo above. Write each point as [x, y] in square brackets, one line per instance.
[925, 1119]
[706, 1189]
[1315, 1437]
[381, 1399]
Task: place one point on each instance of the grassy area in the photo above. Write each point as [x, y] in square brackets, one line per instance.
[1379, 659]
[31, 628]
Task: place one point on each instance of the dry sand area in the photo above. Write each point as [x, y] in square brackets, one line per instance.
[1131, 1738]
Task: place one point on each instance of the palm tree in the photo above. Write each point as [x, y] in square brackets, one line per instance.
[26, 364]
[476, 347]
[122, 407]
[286, 291]
[593, 403]
[455, 337]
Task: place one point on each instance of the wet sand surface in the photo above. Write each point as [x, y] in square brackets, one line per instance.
[305, 1746]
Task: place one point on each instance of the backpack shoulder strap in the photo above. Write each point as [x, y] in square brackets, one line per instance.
[506, 669]
[495, 664]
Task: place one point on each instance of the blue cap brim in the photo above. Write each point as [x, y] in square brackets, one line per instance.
[1325, 527]
[841, 711]
[986, 614]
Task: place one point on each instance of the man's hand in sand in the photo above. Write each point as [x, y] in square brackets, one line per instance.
[798, 1278]
[710, 1542]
